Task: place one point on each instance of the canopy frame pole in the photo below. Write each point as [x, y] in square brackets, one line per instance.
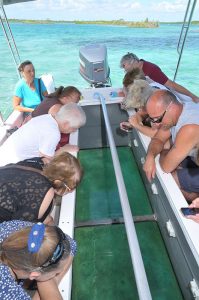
[184, 30]
[10, 39]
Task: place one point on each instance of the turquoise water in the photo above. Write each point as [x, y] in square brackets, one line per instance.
[55, 49]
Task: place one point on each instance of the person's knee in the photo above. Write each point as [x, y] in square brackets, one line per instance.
[189, 196]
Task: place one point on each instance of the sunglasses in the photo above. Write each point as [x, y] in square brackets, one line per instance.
[58, 252]
[159, 119]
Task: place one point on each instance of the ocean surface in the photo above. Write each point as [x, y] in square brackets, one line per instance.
[54, 48]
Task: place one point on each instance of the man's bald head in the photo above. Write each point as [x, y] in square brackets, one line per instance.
[159, 101]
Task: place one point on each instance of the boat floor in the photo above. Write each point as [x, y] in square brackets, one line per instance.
[102, 268]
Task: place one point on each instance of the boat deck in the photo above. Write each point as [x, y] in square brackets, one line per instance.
[102, 268]
[169, 242]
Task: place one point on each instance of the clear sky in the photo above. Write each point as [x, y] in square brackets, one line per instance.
[135, 10]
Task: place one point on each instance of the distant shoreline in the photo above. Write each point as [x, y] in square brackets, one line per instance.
[145, 24]
[121, 22]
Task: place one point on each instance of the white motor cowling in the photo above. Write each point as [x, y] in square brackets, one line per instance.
[94, 65]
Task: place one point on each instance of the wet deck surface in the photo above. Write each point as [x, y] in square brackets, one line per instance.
[102, 269]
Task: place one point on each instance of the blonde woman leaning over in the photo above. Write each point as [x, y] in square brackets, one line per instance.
[27, 193]
[137, 96]
[33, 252]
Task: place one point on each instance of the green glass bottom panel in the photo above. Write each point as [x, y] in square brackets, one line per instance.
[97, 195]
[102, 269]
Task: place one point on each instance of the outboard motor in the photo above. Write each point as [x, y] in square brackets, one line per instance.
[94, 65]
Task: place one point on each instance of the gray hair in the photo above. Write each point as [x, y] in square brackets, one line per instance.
[138, 94]
[72, 113]
[129, 57]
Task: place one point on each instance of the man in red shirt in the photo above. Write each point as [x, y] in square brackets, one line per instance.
[131, 61]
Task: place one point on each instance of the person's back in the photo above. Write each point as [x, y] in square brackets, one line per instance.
[21, 194]
[53, 102]
[27, 192]
[39, 136]
[153, 71]
[189, 116]
[130, 61]
[44, 107]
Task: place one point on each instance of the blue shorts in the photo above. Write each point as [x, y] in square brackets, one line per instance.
[188, 176]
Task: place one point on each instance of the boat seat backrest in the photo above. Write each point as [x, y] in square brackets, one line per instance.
[48, 82]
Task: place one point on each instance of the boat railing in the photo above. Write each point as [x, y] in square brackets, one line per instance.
[184, 31]
[9, 38]
[67, 224]
[174, 197]
[14, 119]
[1, 120]
[138, 265]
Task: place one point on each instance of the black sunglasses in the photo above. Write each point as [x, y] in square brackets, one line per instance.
[159, 119]
[58, 252]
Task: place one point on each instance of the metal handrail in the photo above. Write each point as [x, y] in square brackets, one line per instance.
[138, 265]
[10, 39]
[185, 27]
